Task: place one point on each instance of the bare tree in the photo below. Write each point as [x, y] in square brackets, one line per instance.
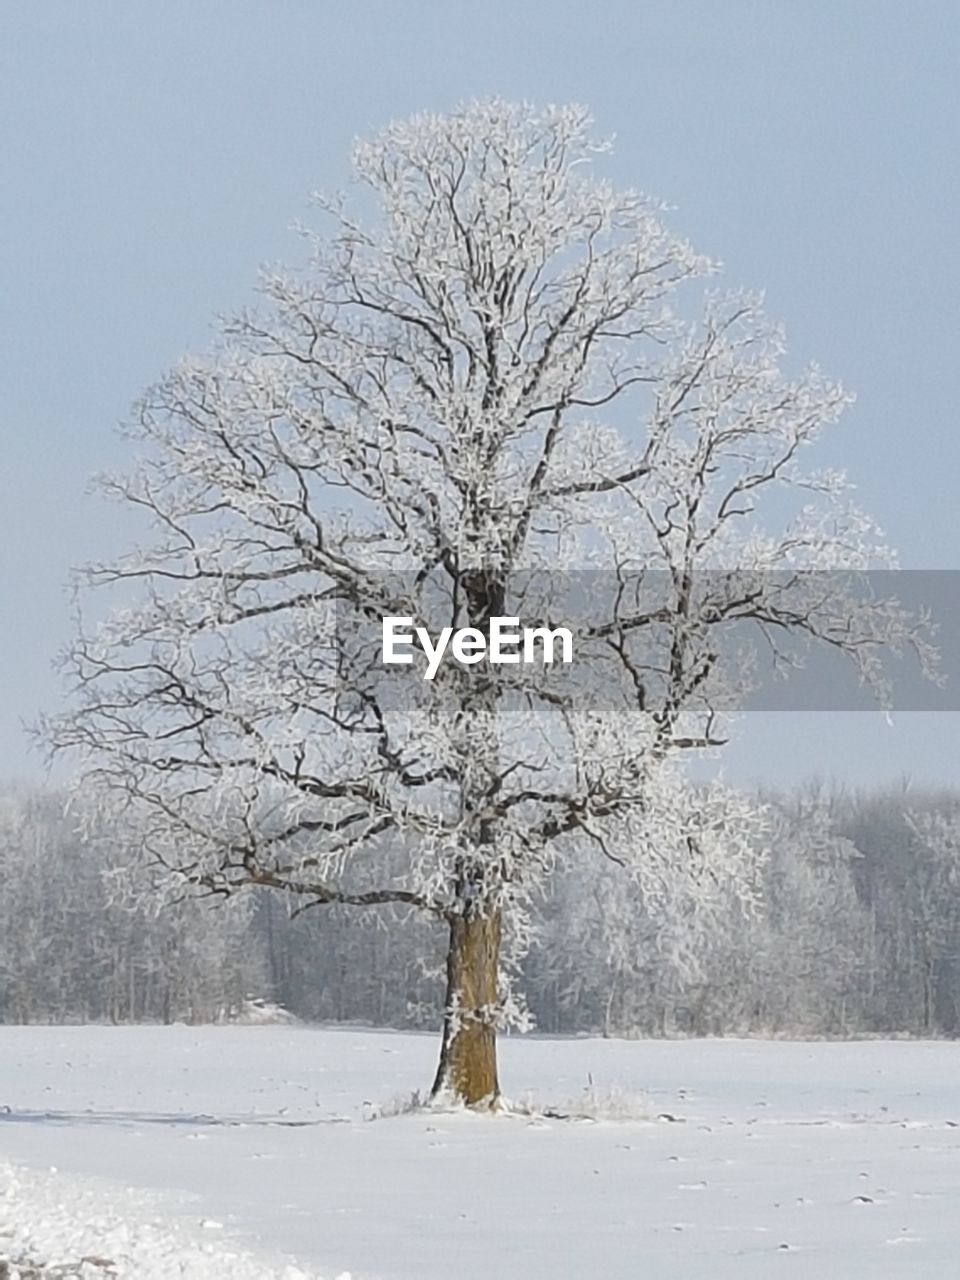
[477, 380]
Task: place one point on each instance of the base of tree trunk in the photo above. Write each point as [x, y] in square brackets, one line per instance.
[467, 1072]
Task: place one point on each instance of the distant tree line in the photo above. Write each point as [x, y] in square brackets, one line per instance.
[856, 930]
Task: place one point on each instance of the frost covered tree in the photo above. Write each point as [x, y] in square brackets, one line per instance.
[492, 370]
[935, 905]
[80, 938]
[796, 967]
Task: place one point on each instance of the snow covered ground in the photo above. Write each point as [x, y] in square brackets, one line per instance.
[243, 1151]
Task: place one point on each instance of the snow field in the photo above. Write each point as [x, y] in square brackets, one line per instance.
[733, 1159]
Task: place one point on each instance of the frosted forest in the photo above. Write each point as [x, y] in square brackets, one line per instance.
[854, 930]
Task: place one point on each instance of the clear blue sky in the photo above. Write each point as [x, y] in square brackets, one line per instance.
[152, 154]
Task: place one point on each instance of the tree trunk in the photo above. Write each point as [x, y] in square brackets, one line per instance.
[468, 1056]
[467, 1071]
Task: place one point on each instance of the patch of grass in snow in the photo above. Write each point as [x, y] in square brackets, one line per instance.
[595, 1103]
[83, 1269]
[401, 1104]
[609, 1103]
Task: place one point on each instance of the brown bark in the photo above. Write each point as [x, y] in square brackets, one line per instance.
[467, 1070]
[468, 1055]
